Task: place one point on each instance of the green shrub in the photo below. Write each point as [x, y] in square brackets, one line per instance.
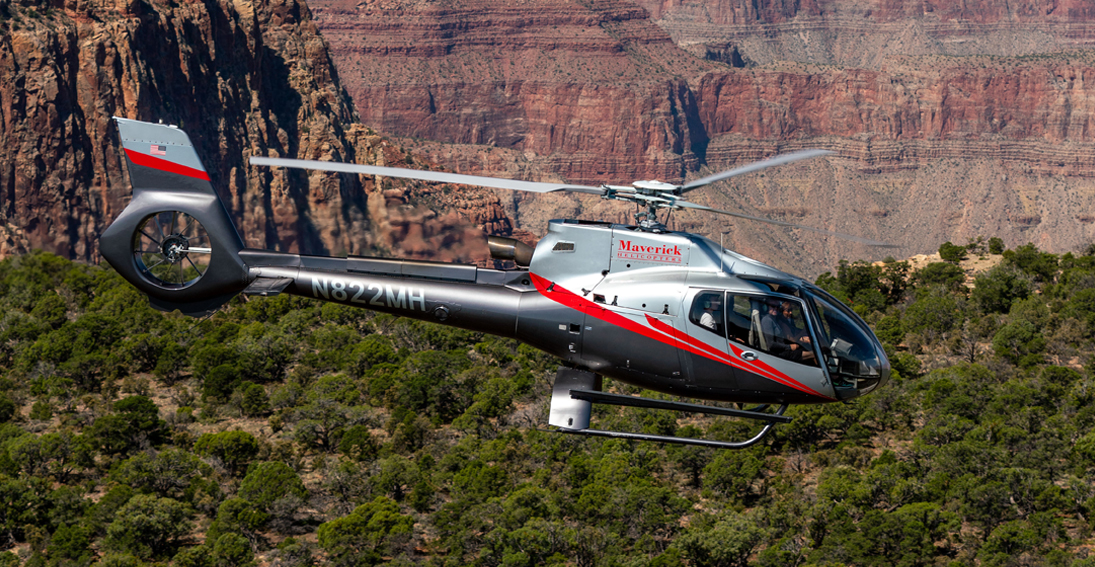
[363, 538]
[232, 550]
[252, 399]
[234, 448]
[952, 252]
[148, 527]
[271, 481]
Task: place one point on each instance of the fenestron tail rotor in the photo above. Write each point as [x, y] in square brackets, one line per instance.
[172, 249]
[651, 195]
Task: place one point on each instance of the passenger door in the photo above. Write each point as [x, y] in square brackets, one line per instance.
[773, 346]
[708, 359]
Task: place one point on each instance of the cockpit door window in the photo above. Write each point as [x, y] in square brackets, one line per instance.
[774, 325]
[759, 357]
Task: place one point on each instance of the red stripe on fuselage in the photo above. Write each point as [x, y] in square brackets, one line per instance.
[756, 367]
[164, 165]
[660, 332]
[761, 367]
[568, 298]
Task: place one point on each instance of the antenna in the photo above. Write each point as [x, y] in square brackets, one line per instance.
[722, 257]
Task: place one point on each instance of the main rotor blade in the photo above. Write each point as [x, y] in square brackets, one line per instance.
[755, 166]
[867, 241]
[423, 175]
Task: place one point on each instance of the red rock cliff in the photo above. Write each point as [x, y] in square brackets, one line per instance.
[243, 78]
[863, 33]
[592, 83]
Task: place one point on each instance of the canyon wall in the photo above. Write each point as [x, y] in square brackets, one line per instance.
[864, 33]
[590, 85]
[242, 78]
[934, 143]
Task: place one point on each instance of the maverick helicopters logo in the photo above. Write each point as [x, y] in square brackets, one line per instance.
[628, 250]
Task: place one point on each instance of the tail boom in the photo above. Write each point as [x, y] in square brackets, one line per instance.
[460, 296]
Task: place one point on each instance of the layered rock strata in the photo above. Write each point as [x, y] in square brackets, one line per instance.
[934, 144]
[864, 33]
[591, 83]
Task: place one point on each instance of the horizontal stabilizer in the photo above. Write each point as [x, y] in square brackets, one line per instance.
[268, 287]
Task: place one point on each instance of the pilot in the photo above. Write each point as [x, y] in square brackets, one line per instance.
[712, 313]
[785, 340]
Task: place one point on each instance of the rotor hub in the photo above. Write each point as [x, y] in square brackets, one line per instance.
[174, 248]
[655, 186]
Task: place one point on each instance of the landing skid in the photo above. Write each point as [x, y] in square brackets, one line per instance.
[576, 391]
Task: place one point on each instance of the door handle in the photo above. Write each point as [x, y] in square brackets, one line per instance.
[748, 355]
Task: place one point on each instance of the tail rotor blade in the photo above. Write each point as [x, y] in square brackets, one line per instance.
[861, 240]
[424, 175]
[755, 166]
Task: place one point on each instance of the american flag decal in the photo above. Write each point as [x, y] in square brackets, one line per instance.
[159, 150]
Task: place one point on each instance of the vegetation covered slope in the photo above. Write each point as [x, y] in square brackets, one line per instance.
[287, 432]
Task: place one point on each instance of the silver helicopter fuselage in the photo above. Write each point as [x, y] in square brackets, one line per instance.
[614, 299]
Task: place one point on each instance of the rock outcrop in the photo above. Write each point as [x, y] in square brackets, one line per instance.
[243, 78]
[865, 33]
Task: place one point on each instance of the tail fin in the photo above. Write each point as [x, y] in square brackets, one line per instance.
[175, 240]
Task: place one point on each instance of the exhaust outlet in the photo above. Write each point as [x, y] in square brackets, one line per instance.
[504, 248]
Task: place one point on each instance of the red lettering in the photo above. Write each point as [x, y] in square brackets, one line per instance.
[629, 249]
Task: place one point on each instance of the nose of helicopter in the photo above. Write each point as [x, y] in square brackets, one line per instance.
[880, 372]
[855, 358]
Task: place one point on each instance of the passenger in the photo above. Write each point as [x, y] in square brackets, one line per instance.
[712, 313]
[785, 340]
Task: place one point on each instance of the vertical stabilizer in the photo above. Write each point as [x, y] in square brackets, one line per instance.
[161, 157]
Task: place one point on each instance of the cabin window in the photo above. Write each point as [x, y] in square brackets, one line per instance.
[738, 318]
[773, 325]
[707, 312]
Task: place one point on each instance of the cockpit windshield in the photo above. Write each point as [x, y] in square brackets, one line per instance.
[853, 357]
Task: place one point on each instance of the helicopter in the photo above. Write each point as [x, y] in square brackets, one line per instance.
[663, 310]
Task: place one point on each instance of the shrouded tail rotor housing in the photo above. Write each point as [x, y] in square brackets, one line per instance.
[172, 250]
[175, 240]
